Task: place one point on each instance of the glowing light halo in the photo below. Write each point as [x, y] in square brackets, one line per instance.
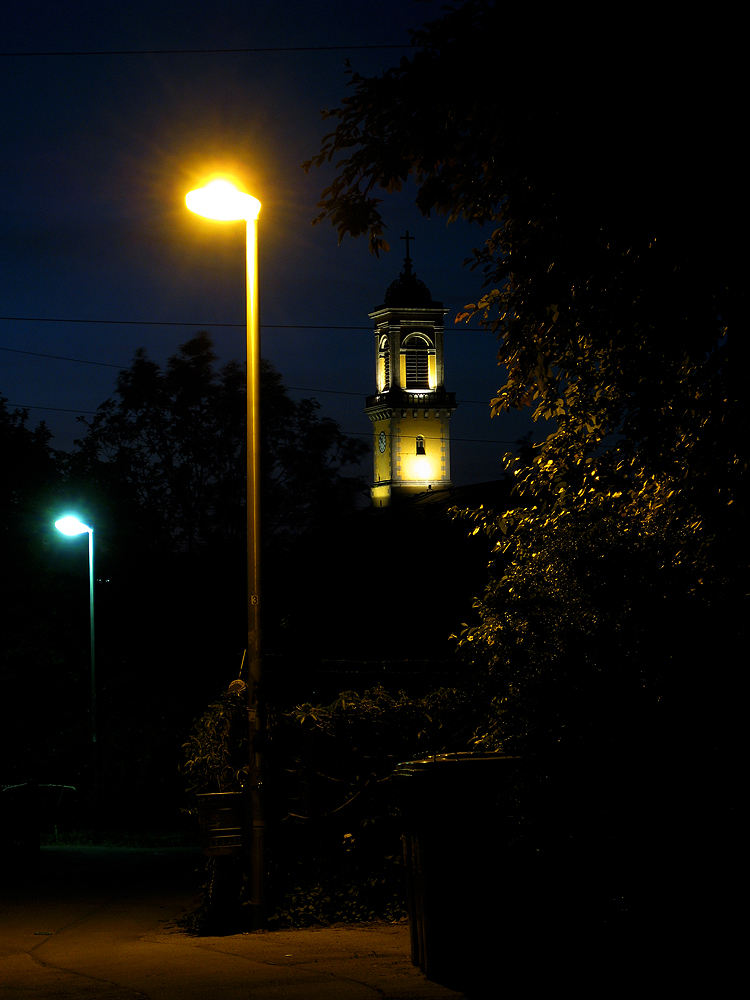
[71, 526]
[222, 201]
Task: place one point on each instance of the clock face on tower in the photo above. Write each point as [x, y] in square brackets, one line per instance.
[382, 442]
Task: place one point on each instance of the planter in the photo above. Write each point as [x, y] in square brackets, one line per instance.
[221, 816]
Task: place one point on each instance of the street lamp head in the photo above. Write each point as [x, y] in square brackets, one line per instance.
[221, 200]
[71, 526]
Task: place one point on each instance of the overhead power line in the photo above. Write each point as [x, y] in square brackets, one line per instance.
[233, 326]
[169, 322]
[59, 357]
[367, 434]
[109, 364]
[191, 52]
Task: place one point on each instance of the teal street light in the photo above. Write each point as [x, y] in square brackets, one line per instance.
[72, 526]
[222, 201]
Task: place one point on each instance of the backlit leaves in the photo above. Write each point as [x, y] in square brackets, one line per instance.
[619, 315]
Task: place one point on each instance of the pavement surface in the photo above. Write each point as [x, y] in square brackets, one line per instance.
[100, 924]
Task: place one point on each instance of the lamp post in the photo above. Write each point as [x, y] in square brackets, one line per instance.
[222, 201]
[72, 526]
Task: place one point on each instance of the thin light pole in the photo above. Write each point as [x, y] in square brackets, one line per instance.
[72, 526]
[255, 705]
[92, 647]
[220, 200]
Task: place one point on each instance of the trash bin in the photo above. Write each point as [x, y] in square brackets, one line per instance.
[521, 876]
[26, 808]
[220, 815]
[21, 817]
[465, 887]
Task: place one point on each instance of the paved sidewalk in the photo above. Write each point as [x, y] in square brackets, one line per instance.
[346, 962]
[98, 962]
[65, 934]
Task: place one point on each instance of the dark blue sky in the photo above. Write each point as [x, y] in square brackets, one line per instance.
[98, 152]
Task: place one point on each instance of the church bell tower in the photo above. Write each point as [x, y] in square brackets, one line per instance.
[410, 411]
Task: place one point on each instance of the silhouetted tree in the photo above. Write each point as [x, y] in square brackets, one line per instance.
[173, 443]
[28, 467]
[38, 644]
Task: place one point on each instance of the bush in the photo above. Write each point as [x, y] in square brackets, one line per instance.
[334, 851]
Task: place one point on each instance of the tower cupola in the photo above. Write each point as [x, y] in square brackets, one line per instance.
[411, 409]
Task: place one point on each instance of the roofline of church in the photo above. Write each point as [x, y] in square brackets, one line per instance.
[436, 307]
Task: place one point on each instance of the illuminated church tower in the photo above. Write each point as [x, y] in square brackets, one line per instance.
[411, 410]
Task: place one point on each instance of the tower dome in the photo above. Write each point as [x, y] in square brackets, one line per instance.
[408, 291]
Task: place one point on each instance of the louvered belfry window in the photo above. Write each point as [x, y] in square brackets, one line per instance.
[417, 370]
[417, 363]
[385, 357]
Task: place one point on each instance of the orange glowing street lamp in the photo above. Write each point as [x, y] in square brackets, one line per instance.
[222, 201]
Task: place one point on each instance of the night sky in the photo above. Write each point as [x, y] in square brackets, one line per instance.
[98, 153]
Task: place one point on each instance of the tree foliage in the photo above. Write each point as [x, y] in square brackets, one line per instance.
[305, 455]
[611, 278]
[29, 467]
[173, 444]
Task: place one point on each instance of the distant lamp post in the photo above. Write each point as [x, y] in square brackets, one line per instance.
[72, 526]
[222, 201]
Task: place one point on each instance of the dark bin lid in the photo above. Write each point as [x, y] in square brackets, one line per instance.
[214, 798]
[438, 763]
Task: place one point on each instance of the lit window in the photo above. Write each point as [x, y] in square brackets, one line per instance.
[384, 356]
[416, 352]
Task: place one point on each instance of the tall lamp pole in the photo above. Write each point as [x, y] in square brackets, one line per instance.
[222, 201]
[72, 526]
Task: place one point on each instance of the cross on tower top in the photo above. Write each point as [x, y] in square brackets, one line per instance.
[407, 260]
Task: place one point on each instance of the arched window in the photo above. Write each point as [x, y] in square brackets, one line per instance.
[416, 349]
[384, 365]
[420, 445]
